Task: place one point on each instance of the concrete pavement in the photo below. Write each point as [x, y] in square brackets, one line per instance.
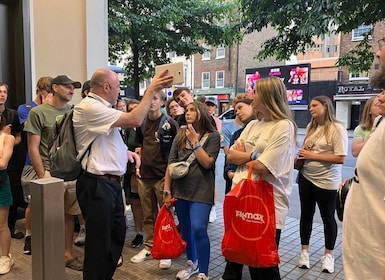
[148, 270]
[289, 249]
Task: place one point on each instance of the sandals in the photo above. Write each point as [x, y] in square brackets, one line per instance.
[120, 261]
[74, 264]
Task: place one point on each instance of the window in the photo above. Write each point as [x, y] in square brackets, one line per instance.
[357, 34]
[206, 55]
[314, 48]
[220, 52]
[144, 84]
[171, 54]
[220, 79]
[205, 79]
[359, 76]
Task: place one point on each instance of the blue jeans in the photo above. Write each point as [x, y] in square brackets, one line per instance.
[193, 219]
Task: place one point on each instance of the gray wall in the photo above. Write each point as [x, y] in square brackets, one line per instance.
[4, 53]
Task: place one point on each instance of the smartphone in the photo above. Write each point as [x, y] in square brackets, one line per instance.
[174, 69]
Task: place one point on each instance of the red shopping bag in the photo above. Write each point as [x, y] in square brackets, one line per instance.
[167, 242]
[249, 220]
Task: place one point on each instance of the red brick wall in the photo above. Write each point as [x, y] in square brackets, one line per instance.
[347, 44]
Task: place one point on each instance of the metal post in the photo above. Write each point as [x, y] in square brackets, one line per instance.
[47, 229]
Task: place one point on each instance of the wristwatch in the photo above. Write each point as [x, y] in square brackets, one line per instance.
[165, 192]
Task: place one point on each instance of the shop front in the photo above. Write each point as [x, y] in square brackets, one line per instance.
[350, 100]
[223, 95]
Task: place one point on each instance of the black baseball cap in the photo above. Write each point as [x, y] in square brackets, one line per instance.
[212, 100]
[65, 80]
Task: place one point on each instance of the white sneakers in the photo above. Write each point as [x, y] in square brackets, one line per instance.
[303, 261]
[6, 262]
[145, 255]
[327, 263]
[213, 214]
[80, 240]
[165, 264]
[192, 268]
[141, 256]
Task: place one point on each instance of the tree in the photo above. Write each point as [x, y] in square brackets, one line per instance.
[142, 32]
[298, 21]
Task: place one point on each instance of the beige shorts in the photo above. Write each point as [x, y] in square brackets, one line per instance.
[71, 205]
[27, 176]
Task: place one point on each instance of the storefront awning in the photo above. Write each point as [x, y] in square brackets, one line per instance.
[355, 92]
[359, 96]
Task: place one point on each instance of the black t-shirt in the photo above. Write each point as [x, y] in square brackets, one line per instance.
[18, 156]
[153, 166]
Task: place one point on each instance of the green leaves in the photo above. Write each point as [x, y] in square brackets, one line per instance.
[142, 32]
[297, 22]
[360, 58]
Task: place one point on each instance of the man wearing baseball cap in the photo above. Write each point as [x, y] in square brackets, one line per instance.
[211, 105]
[65, 80]
[38, 128]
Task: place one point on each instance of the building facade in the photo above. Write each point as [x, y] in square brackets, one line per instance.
[49, 38]
[220, 72]
[354, 89]
[322, 56]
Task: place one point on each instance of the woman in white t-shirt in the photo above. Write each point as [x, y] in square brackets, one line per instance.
[324, 150]
[271, 138]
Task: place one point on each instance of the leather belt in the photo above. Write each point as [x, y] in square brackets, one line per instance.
[110, 177]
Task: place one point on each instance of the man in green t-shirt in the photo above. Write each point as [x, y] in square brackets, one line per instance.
[39, 125]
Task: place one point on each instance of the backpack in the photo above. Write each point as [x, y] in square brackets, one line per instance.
[164, 135]
[63, 154]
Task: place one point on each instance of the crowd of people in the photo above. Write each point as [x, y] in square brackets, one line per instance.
[154, 134]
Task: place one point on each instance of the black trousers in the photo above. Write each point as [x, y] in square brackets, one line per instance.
[233, 271]
[102, 206]
[310, 195]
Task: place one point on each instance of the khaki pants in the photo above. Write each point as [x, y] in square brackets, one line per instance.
[151, 197]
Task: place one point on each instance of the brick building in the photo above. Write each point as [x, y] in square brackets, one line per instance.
[353, 89]
[221, 72]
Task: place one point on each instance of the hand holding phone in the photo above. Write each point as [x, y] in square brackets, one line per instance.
[174, 69]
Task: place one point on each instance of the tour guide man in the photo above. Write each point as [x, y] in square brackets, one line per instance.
[98, 189]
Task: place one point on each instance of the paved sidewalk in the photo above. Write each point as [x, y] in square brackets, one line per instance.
[148, 270]
[289, 250]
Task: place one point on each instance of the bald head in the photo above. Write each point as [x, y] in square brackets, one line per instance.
[101, 76]
[105, 83]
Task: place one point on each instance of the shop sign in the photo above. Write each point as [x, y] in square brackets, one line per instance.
[354, 88]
